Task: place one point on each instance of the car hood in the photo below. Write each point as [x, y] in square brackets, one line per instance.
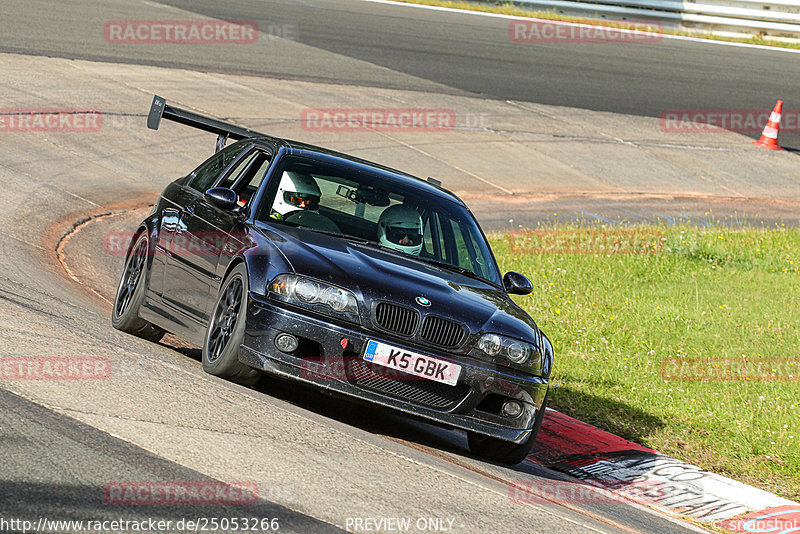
[379, 275]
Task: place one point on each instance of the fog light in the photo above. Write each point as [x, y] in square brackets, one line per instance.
[512, 408]
[286, 343]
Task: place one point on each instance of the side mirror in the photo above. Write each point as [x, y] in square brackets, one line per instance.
[517, 284]
[223, 198]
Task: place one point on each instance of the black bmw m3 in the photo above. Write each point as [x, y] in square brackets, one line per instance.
[285, 258]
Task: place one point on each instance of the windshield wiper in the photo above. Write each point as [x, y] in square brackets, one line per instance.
[456, 268]
[349, 237]
[376, 244]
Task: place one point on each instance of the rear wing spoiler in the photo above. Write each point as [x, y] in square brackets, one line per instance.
[224, 130]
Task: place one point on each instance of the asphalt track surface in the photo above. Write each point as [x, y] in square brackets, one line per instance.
[53, 465]
[473, 53]
[59, 450]
[458, 52]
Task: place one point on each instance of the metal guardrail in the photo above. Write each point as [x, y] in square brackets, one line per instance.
[778, 19]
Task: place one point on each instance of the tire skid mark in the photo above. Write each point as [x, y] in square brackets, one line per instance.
[61, 257]
[18, 298]
[63, 230]
[19, 301]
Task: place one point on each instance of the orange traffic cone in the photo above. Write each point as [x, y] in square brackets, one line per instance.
[769, 137]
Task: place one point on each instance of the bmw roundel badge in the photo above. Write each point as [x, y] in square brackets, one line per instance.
[422, 301]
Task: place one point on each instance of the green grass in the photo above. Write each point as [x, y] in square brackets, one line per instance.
[519, 10]
[622, 304]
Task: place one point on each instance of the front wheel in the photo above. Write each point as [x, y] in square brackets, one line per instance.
[226, 331]
[506, 452]
[130, 294]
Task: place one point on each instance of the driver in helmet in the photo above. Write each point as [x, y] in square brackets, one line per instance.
[400, 228]
[297, 191]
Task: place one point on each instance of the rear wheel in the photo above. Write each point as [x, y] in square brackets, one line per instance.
[130, 294]
[506, 452]
[226, 331]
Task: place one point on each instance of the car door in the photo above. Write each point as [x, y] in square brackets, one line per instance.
[245, 181]
[191, 233]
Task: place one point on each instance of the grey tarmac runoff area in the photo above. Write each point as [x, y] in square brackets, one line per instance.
[318, 463]
[383, 45]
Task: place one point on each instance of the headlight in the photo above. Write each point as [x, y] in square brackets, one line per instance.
[319, 296]
[307, 291]
[339, 299]
[491, 344]
[518, 352]
[514, 350]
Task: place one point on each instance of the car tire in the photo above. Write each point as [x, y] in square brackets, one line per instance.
[225, 331]
[130, 294]
[506, 452]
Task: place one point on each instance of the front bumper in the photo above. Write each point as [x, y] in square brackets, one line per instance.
[325, 361]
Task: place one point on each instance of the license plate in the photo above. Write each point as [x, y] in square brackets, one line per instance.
[412, 363]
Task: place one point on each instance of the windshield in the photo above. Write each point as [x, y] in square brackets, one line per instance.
[346, 199]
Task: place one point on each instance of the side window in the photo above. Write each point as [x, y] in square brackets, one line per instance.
[250, 183]
[211, 169]
[432, 243]
[238, 170]
[462, 246]
[469, 256]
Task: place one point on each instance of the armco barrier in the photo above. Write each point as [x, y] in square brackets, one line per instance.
[778, 19]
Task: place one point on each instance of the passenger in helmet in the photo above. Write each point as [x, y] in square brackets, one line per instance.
[400, 228]
[296, 191]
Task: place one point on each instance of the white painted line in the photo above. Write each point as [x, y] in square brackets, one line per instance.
[582, 25]
[452, 165]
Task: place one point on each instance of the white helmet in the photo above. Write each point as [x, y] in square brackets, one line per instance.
[400, 228]
[296, 192]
